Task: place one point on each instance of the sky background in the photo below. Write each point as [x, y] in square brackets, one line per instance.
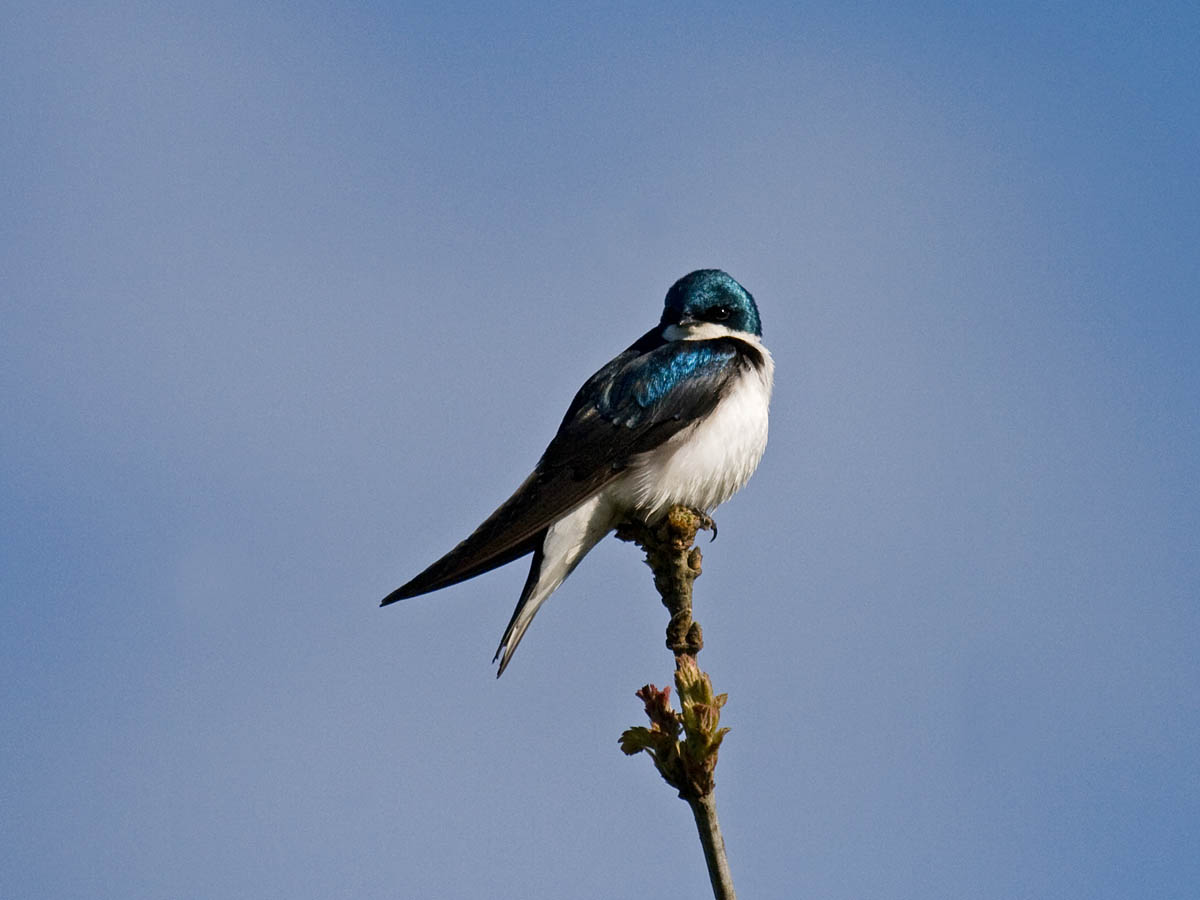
[295, 294]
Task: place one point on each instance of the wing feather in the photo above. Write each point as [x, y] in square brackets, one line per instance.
[640, 399]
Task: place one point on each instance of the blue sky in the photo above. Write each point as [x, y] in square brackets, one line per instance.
[294, 295]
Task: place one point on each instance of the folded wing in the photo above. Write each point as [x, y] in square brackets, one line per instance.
[640, 399]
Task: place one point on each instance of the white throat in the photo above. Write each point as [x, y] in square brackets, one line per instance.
[701, 331]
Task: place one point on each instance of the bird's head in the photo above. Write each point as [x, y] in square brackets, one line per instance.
[708, 303]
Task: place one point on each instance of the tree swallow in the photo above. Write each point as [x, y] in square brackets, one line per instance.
[678, 418]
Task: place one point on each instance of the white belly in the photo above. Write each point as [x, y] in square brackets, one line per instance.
[704, 465]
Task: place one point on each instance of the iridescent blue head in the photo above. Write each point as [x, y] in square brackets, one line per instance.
[707, 301]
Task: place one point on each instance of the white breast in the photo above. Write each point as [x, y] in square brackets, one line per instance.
[704, 465]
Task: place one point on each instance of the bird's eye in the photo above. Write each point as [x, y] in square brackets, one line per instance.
[719, 313]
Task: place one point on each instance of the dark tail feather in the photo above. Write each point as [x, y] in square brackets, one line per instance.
[457, 566]
[508, 643]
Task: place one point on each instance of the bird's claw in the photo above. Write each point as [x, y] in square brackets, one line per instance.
[707, 524]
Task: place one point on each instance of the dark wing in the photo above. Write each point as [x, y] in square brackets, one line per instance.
[640, 399]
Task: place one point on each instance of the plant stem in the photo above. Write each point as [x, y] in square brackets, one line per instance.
[685, 765]
[705, 810]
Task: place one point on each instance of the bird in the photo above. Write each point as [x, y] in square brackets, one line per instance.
[677, 418]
